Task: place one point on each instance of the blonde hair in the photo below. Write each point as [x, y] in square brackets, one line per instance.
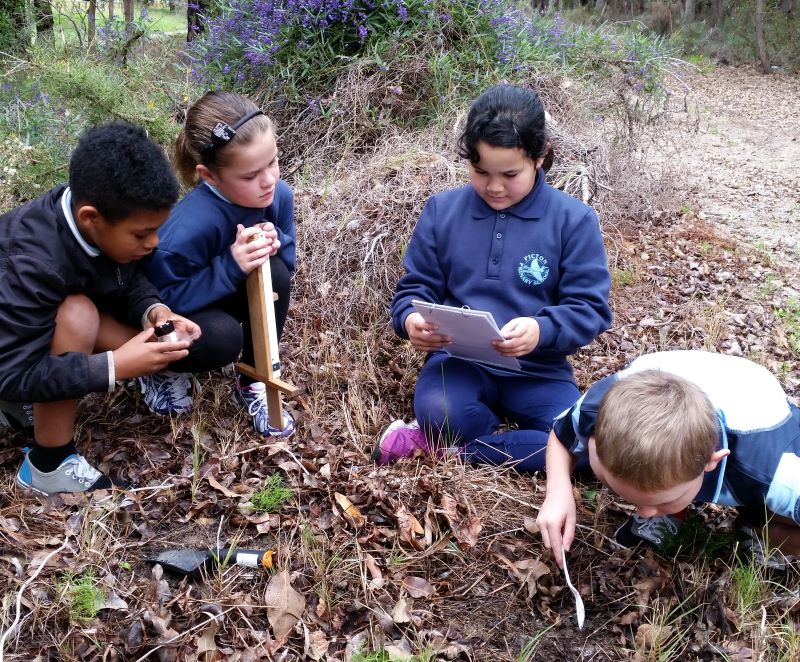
[202, 116]
[655, 430]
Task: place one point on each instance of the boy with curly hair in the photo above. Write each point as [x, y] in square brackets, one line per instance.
[73, 302]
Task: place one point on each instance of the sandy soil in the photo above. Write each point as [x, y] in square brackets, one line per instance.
[735, 135]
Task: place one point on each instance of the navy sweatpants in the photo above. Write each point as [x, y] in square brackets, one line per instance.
[460, 403]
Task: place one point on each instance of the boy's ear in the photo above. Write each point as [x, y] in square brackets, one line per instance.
[716, 458]
[205, 174]
[87, 216]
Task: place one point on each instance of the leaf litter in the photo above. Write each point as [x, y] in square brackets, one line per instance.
[426, 555]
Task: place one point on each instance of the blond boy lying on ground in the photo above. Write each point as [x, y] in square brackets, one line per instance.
[676, 428]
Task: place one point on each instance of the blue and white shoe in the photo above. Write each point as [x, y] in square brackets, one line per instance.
[254, 398]
[74, 474]
[167, 392]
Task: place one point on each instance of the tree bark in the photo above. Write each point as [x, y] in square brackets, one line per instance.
[688, 13]
[717, 12]
[787, 6]
[44, 14]
[127, 10]
[91, 20]
[600, 5]
[110, 10]
[761, 42]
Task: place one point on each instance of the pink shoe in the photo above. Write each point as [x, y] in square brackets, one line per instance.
[399, 440]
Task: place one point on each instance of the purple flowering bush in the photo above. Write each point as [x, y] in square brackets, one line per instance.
[299, 47]
[295, 50]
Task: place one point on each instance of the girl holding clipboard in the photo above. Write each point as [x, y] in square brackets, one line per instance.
[532, 256]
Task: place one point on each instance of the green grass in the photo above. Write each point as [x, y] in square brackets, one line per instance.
[790, 317]
[272, 496]
[83, 596]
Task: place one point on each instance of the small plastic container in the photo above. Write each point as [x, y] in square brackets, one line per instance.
[166, 332]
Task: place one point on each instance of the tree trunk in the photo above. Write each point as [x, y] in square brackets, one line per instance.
[688, 14]
[127, 10]
[600, 5]
[717, 12]
[110, 10]
[91, 19]
[761, 42]
[195, 18]
[787, 6]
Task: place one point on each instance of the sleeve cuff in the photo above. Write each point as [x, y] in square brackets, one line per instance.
[149, 308]
[112, 377]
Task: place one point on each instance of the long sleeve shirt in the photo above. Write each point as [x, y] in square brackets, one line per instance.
[193, 265]
[542, 258]
[44, 259]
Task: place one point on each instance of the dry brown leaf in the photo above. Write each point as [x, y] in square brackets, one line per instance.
[401, 613]
[351, 513]
[220, 487]
[316, 644]
[284, 606]
[650, 636]
[530, 525]
[418, 587]
[374, 571]
[409, 528]
[205, 640]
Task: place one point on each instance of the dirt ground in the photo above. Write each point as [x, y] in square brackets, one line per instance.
[734, 133]
[427, 556]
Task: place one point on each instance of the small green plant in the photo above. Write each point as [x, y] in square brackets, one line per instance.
[83, 596]
[528, 652]
[790, 317]
[624, 277]
[272, 496]
[694, 537]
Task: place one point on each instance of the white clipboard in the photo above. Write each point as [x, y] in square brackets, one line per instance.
[472, 332]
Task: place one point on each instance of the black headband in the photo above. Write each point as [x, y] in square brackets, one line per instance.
[222, 134]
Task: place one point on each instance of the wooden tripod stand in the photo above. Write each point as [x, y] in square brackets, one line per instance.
[261, 302]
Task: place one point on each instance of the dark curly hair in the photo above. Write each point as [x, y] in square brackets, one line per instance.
[119, 170]
[507, 116]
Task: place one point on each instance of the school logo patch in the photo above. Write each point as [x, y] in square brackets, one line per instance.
[533, 269]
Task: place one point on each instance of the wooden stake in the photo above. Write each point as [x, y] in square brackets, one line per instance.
[267, 369]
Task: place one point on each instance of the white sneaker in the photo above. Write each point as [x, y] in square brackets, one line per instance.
[254, 398]
[167, 392]
[74, 474]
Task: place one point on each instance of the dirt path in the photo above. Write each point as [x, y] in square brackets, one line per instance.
[735, 135]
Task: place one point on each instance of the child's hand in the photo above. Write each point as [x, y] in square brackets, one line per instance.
[139, 356]
[556, 522]
[423, 334]
[185, 328]
[521, 337]
[248, 252]
[271, 235]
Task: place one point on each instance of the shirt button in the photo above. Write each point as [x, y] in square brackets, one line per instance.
[499, 235]
[494, 261]
[502, 215]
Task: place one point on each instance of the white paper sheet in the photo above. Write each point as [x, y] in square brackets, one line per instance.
[580, 611]
[472, 332]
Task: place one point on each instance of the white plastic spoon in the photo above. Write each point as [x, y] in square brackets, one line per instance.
[580, 612]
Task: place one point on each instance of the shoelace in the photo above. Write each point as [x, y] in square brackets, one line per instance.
[166, 396]
[655, 526]
[255, 395]
[81, 471]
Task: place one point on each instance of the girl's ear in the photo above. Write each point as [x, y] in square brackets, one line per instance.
[205, 174]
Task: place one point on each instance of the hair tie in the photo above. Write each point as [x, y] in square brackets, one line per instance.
[222, 134]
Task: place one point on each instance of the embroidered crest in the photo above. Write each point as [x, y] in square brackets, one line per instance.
[533, 269]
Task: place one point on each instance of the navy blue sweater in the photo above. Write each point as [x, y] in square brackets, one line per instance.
[542, 258]
[41, 263]
[193, 265]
